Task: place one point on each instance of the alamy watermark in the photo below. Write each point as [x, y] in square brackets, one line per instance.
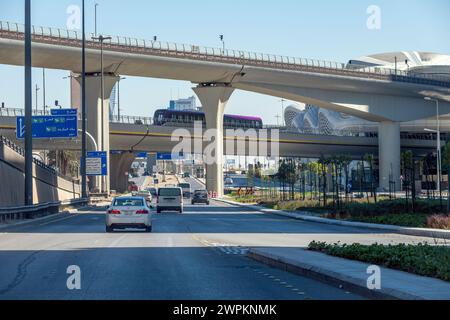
[261, 142]
[74, 280]
[374, 20]
[74, 19]
[374, 280]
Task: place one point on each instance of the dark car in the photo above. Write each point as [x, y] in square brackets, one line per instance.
[200, 196]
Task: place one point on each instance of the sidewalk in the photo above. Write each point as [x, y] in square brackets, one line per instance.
[352, 275]
[420, 232]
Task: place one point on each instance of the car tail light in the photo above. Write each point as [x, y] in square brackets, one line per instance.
[112, 211]
[142, 212]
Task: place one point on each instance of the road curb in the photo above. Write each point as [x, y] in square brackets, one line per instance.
[328, 276]
[419, 232]
[40, 219]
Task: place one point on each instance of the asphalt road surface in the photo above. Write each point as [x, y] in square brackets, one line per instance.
[200, 254]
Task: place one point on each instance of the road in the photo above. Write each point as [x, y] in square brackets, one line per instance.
[197, 255]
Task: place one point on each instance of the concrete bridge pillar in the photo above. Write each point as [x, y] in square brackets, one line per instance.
[94, 118]
[389, 154]
[120, 165]
[214, 98]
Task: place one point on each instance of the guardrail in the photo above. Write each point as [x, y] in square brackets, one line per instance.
[33, 211]
[12, 30]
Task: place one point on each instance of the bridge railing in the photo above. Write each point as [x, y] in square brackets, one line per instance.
[18, 112]
[139, 120]
[132, 120]
[240, 57]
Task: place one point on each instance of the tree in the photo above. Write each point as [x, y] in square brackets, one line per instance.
[446, 166]
[406, 164]
[369, 158]
[323, 162]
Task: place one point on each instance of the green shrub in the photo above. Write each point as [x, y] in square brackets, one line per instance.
[416, 220]
[421, 259]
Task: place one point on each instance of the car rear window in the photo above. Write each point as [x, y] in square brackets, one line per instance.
[128, 202]
[169, 192]
[200, 192]
[184, 185]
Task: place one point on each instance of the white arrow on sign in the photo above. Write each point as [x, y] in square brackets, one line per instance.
[21, 128]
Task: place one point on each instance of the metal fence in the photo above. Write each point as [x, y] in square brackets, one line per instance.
[59, 36]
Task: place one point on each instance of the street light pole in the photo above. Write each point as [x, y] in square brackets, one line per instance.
[439, 158]
[43, 89]
[83, 109]
[36, 97]
[28, 196]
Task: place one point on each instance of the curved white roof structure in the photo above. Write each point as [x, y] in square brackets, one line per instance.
[413, 62]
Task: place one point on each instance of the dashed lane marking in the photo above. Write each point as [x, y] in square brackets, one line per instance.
[58, 220]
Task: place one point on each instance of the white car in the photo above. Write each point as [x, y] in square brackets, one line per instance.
[169, 199]
[128, 212]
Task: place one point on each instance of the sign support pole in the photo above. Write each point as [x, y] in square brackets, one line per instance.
[28, 109]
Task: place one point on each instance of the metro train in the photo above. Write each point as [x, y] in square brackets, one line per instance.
[165, 117]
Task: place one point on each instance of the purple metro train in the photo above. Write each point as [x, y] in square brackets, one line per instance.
[172, 117]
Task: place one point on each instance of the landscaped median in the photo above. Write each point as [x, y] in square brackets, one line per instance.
[321, 217]
[421, 259]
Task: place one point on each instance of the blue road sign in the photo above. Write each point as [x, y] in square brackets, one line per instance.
[96, 163]
[49, 127]
[141, 155]
[64, 112]
[163, 156]
[169, 156]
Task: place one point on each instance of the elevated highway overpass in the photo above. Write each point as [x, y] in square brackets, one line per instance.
[381, 95]
[128, 139]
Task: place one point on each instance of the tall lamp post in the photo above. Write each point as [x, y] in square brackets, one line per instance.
[438, 131]
[28, 192]
[101, 39]
[83, 108]
[36, 97]
[43, 90]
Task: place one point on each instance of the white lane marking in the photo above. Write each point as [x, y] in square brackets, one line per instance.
[116, 242]
[226, 248]
[58, 220]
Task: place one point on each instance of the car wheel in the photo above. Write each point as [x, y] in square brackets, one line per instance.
[158, 210]
[207, 203]
[109, 229]
[148, 229]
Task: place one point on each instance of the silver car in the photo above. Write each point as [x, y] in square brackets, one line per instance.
[128, 212]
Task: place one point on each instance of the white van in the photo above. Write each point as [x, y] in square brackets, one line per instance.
[169, 199]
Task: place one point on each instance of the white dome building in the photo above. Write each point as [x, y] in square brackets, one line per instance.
[311, 119]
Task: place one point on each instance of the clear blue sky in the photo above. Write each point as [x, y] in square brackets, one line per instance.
[322, 29]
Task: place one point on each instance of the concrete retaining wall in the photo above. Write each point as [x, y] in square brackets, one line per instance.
[47, 187]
